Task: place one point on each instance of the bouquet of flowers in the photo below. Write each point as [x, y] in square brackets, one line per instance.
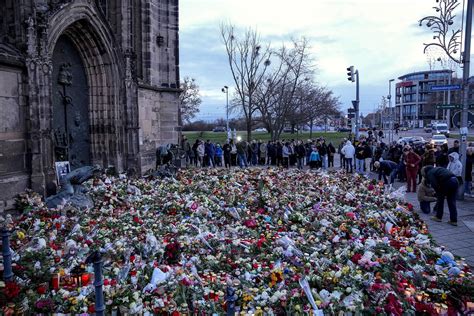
[258, 241]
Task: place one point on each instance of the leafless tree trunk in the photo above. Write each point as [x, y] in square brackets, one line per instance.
[248, 62]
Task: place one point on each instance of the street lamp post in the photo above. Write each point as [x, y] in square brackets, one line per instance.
[226, 91]
[390, 116]
[450, 43]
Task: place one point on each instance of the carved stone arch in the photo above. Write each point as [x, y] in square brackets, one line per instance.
[80, 22]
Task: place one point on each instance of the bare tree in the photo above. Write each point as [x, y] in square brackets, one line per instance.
[277, 96]
[319, 103]
[189, 100]
[248, 61]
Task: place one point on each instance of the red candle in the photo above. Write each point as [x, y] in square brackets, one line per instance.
[56, 281]
[85, 278]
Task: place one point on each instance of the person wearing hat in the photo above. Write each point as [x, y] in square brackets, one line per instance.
[445, 184]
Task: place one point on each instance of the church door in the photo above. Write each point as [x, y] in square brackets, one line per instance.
[70, 105]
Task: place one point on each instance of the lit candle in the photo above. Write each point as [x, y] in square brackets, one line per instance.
[85, 278]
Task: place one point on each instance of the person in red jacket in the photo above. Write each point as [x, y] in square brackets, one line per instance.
[412, 163]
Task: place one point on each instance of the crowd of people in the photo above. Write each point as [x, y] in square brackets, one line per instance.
[434, 172]
[286, 153]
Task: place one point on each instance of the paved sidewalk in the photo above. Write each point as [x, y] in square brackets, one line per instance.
[457, 239]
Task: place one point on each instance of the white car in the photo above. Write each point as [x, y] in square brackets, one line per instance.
[438, 140]
[260, 130]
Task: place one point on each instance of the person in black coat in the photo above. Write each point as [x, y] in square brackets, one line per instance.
[331, 153]
[445, 184]
[386, 168]
[272, 153]
[468, 175]
[442, 156]
[227, 149]
[300, 152]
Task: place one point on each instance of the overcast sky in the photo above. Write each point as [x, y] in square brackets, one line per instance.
[381, 38]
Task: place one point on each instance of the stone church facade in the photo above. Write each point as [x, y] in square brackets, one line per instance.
[94, 82]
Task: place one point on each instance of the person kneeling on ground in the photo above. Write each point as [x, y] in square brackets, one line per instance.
[425, 194]
[445, 183]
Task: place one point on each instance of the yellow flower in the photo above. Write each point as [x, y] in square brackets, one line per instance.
[20, 234]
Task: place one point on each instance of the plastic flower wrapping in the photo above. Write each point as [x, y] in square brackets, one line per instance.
[254, 241]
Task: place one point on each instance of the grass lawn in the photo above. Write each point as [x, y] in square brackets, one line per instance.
[220, 137]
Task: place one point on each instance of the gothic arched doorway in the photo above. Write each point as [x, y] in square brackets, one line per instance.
[70, 105]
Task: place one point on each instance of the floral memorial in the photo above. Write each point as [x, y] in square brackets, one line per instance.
[255, 241]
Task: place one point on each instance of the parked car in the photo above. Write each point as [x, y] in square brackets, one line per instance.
[218, 129]
[438, 140]
[440, 128]
[289, 130]
[404, 128]
[418, 140]
[428, 128]
[261, 130]
[344, 129]
[404, 140]
[363, 129]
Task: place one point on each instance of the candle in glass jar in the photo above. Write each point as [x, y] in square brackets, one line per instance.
[55, 281]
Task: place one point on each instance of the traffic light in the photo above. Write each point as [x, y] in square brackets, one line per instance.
[350, 74]
[349, 123]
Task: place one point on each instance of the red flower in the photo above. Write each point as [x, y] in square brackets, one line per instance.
[393, 306]
[91, 309]
[133, 273]
[11, 290]
[250, 223]
[132, 258]
[41, 289]
[356, 257]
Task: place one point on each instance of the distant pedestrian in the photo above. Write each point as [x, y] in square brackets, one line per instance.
[412, 161]
[300, 152]
[219, 155]
[331, 153]
[348, 151]
[314, 158]
[227, 149]
[468, 175]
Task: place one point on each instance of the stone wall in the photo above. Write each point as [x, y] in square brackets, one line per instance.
[14, 176]
[158, 117]
[130, 52]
